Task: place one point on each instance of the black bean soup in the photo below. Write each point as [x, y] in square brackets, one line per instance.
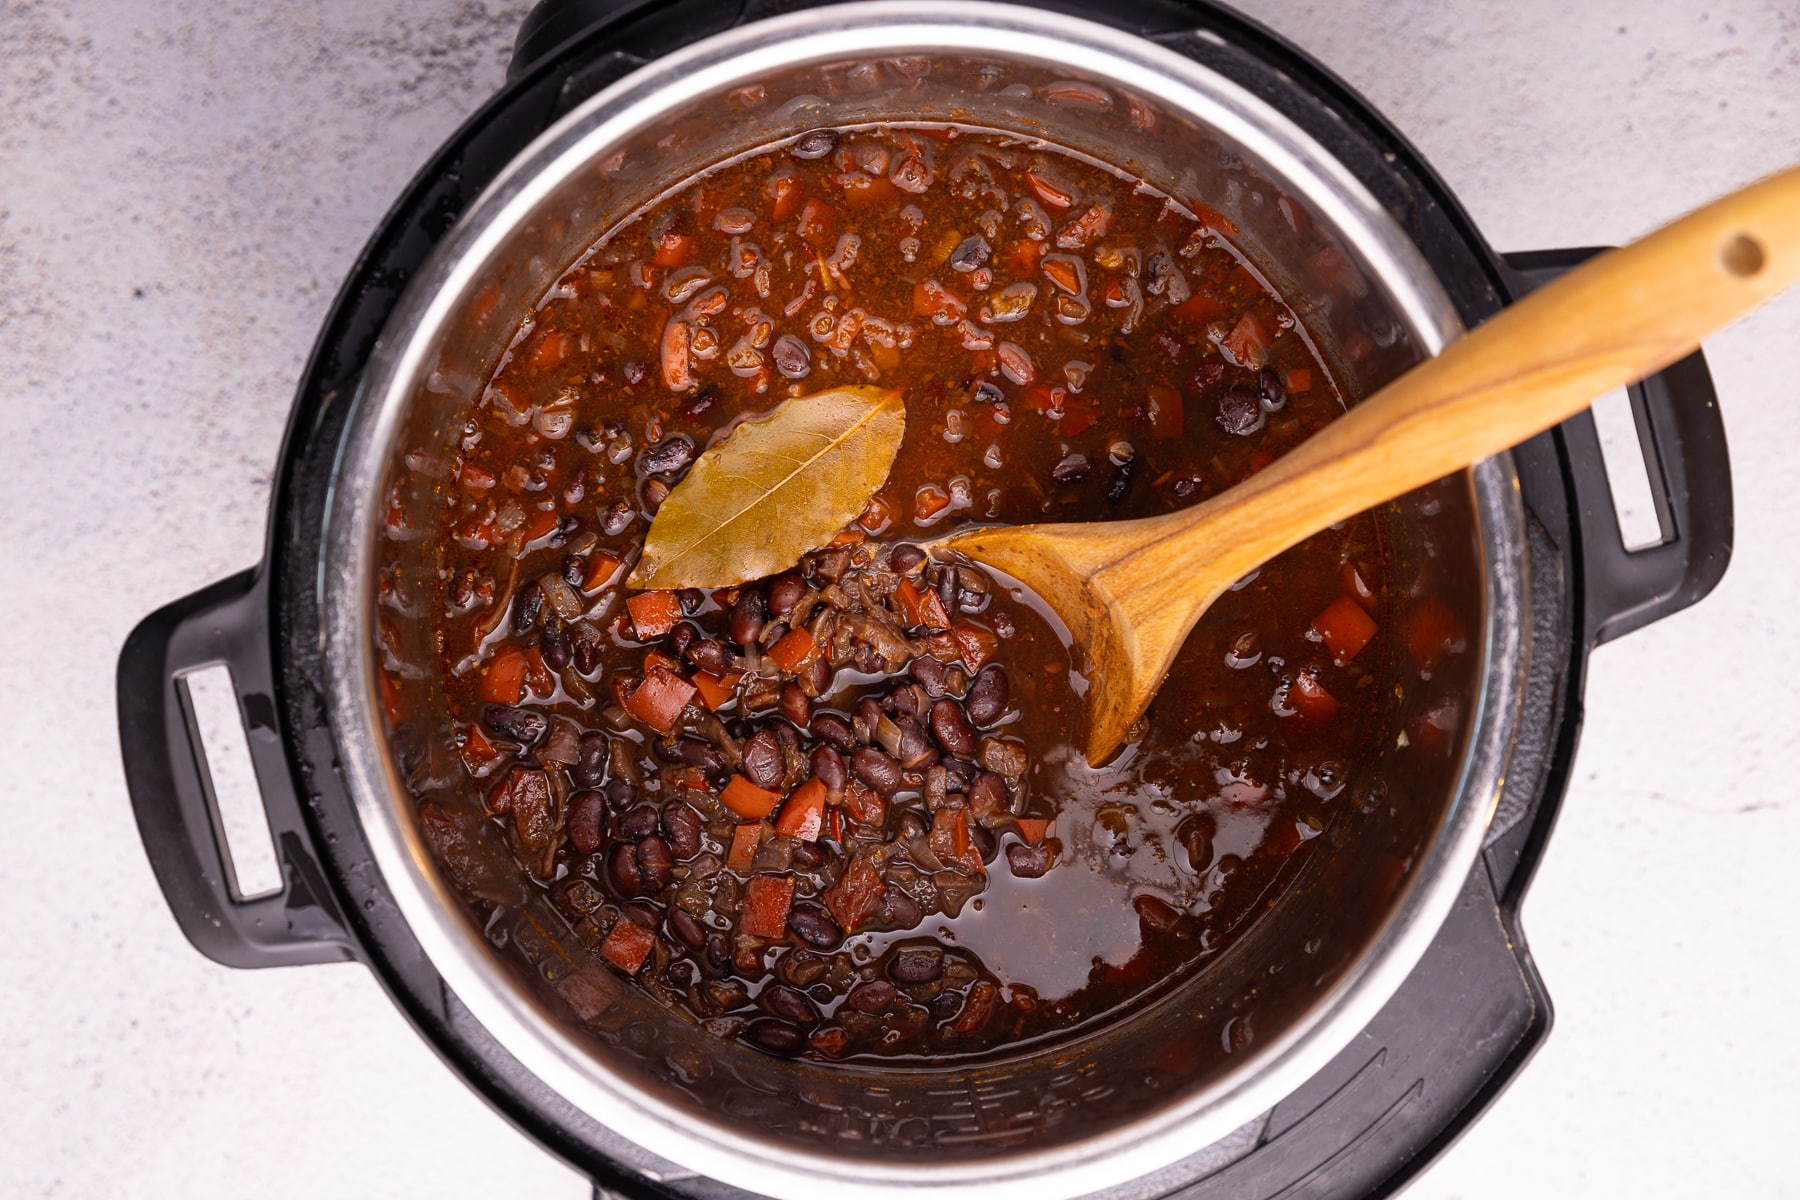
[843, 812]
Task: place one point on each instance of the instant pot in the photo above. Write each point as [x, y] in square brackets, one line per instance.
[1336, 1051]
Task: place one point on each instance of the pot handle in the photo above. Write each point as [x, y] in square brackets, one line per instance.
[172, 792]
[1682, 435]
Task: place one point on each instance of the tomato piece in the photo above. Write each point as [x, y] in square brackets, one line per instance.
[658, 701]
[803, 812]
[976, 643]
[653, 614]
[504, 680]
[1033, 829]
[795, 650]
[1162, 406]
[1248, 342]
[628, 946]
[716, 691]
[747, 800]
[1344, 628]
[1198, 309]
[767, 899]
[1309, 699]
[855, 895]
[600, 570]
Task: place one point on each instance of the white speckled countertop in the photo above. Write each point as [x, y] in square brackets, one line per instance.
[183, 187]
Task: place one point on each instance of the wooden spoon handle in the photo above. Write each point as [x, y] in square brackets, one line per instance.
[1613, 320]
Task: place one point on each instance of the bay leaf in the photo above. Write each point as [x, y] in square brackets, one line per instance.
[774, 489]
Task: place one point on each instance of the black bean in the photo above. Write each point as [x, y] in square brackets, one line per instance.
[618, 517]
[952, 729]
[873, 996]
[642, 912]
[982, 838]
[905, 558]
[1197, 841]
[777, 1037]
[828, 768]
[683, 828]
[622, 870]
[987, 392]
[828, 565]
[1271, 390]
[916, 751]
[1027, 862]
[636, 372]
[684, 929]
[788, 1004]
[528, 603]
[655, 492]
[718, 952]
[1069, 468]
[462, 591]
[795, 705]
[988, 793]
[930, 674]
[640, 822]
[680, 974]
[876, 769]
[961, 774]
[791, 356]
[944, 1005]
[818, 676]
[587, 649]
[695, 752]
[1240, 413]
[656, 864]
[747, 618]
[692, 599]
[620, 793]
[724, 994]
[785, 592]
[972, 252]
[667, 457]
[554, 645]
[763, 762]
[814, 143]
[834, 729]
[988, 695]
[902, 701]
[685, 634]
[709, 655]
[586, 821]
[899, 910]
[916, 964]
[815, 927]
[788, 736]
[868, 718]
[574, 570]
[520, 724]
[809, 855]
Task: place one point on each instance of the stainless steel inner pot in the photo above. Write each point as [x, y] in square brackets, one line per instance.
[1142, 1096]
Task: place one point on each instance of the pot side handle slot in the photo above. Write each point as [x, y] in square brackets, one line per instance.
[1677, 544]
[190, 671]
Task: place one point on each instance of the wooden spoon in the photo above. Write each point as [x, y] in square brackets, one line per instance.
[1130, 591]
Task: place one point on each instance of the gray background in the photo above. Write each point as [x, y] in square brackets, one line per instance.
[183, 187]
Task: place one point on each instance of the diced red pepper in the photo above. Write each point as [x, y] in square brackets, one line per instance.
[1081, 233]
[978, 1009]
[504, 680]
[1162, 406]
[656, 658]
[1063, 274]
[1248, 342]
[744, 841]
[677, 341]
[867, 191]
[855, 895]
[815, 220]
[549, 351]
[1298, 379]
[950, 840]
[921, 608]
[673, 249]
[848, 537]
[628, 946]
[653, 613]
[475, 478]
[1198, 309]
[658, 701]
[747, 800]
[929, 501]
[1050, 193]
[1033, 829]
[1344, 628]
[784, 189]
[977, 643]
[803, 812]
[1431, 632]
[795, 650]
[932, 299]
[478, 751]
[767, 899]
[1024, 255]
[876, 515]
[538, 678]
[716, 691]
[541, 525]
[600, 569]
[1309, 699]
